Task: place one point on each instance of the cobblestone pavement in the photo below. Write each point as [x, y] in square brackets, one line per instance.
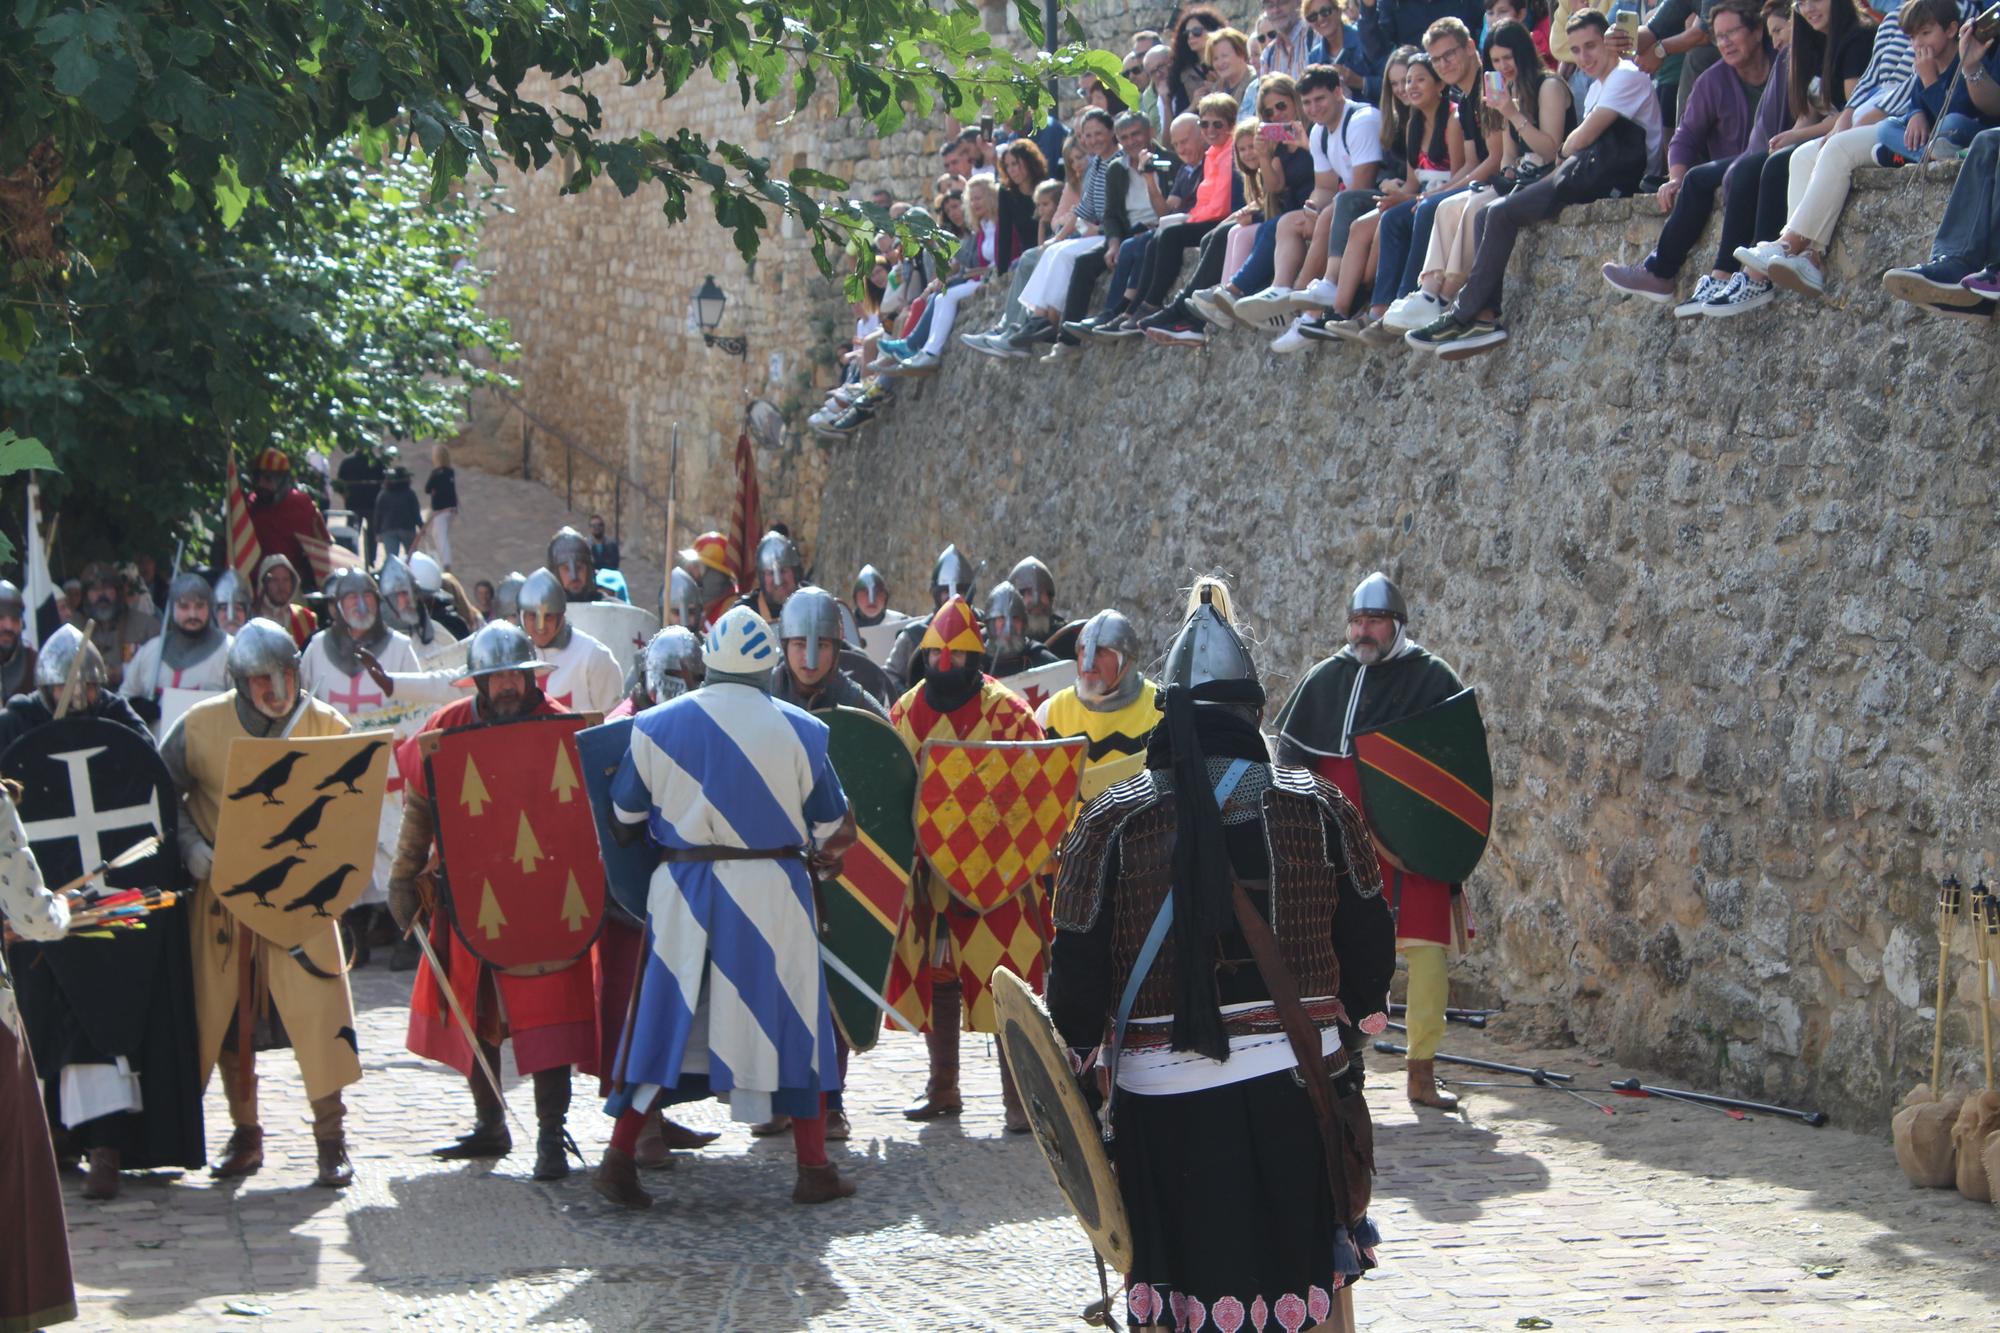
[1533, 1204]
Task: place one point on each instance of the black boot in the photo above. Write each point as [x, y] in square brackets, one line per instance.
[551, 1107]
[489, 1136]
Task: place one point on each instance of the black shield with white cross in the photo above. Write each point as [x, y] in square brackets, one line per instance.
[90, 789]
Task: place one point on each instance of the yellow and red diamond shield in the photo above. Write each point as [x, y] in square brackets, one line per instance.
[991, 814]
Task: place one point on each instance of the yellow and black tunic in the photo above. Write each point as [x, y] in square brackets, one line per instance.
[1117, 738]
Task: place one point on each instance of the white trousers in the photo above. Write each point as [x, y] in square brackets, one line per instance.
[944, 311]
[1821, 173]
[1049, 287]
[441, 534]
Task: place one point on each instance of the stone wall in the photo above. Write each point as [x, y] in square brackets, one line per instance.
[598, 289]
[1725, 586]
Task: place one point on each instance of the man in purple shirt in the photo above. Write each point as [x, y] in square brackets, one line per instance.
[1716, 127]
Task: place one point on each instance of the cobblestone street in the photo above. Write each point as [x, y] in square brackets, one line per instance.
[1531, 1205]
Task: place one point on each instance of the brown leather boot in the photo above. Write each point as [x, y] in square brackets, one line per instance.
[1423, 1088]
[490, 1136]
[243, 1155]
[103, 1180]
[552, 1091]
[941, 1092]
[837, 1128]
[821, 1184]
[679, 1138]
[617, 1179]
[1014, 1113]
[769, 1129]
[330, 1136]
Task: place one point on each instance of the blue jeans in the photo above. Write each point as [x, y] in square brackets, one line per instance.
[1261, 265]
[1131, 256]
[1405, 237]
[1956, 128]
[1969, 233]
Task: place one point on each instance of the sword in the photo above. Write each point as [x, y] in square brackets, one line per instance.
[868, 992]
[443, 979]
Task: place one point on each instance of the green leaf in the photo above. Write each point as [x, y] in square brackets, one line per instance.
[232, 196]
[75, 68]
[20, 454]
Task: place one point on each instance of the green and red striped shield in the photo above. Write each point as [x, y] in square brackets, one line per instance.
[863, 910]
[1427, 785]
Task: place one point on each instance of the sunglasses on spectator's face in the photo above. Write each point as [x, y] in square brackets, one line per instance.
[1271, 36]
[1215, 124]
[1131, 71]
[1196, 30]
[1319, 16]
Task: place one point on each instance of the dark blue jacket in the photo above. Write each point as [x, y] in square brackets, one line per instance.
[1388, 24]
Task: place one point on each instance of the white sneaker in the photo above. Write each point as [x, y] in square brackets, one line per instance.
[1759, 256]
[1268, 309]
[1318, 295]
[1706, 290]
[1414, 311]
[1292, 340]
[1207, 304]
[921, 363]
[1797, 273]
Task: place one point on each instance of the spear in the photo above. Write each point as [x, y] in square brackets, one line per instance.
[1948, 905]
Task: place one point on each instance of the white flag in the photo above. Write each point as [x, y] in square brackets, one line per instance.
[40, 587]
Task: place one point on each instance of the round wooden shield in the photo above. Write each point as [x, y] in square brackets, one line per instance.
[1063, 1124]
[864, 909]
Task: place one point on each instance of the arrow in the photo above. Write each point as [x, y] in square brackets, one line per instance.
[472, 792]
[564, 782]
[491, 918]
[573, 910]
[527, 851]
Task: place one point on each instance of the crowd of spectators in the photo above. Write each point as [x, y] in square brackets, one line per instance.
[1363, 171]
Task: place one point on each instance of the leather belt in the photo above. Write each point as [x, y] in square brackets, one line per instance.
[669, 854]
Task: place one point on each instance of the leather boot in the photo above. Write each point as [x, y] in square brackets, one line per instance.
[1423, 1089]
[617, 1179]
[1014, 1113]
[551, 1108]
[941, 1092]
[489, 1136]
[821, 1184]
[243, 1155]
[837, 1128]
[103, 1181]
[651, 1152]
[330, 1135]
[679, 1138]
[768, 1129]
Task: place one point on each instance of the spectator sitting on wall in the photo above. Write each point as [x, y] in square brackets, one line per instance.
[1120, 317]
[1217, 192]
[1388, 24]
[1022, 171]
[1155, 84]
[1282, 37]
[1053, 205]
[1538, 112]
[1189, 77]
[1094, 92]
[847, 396]
[1346, 148]
[603, 549]
[1532, 15]
[1778, 23]
[1338, 43]
[970, 266]
[1233, 72]
[1962, 277]
[1606, 155]
[1176, 323]
[1714, 130]
[1944, 115]
[1134, 199]
[1824, 68]
[1043, 294]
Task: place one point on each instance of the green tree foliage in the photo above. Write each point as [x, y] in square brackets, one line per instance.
[141, 110]
[343, 315]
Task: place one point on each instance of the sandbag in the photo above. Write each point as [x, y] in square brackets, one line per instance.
[1989, 1157]
[1922, 1133]
[1977, 1120]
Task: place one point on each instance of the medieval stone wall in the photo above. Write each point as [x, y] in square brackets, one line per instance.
[598, 289]
[1725, 586]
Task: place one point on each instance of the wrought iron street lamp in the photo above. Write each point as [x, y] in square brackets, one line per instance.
[708, 305]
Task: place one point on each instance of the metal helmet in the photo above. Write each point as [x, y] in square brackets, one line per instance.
[1006, 621]
[232, 601]
[850, 628]
[427, 572]
[507, 596]
[1209, 648]
[496, 647]
[395, 579]
[345, 584]
[185, 584]
[952, 575]
[52, 666]
[11, 599]
[261, 648]
[684, 599]
[870, 579]
[1032, 576]
[1111, 631]
[1378, 595]
[776, 551]
[669, 655]
[570, 547]
[542, 595]
[812, 614]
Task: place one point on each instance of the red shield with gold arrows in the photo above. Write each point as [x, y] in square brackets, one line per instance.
[991, 814]
[522, 879]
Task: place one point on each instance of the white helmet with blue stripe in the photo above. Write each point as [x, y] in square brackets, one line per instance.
[741, 647]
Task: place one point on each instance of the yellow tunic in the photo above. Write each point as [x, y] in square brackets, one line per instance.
[318, 1013]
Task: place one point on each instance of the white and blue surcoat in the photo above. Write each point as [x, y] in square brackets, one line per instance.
[733, 997]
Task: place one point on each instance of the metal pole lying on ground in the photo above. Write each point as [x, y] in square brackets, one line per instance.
[1472, 1018]
[1813, 1118]
[1632, 1087]
[1391, 1048]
